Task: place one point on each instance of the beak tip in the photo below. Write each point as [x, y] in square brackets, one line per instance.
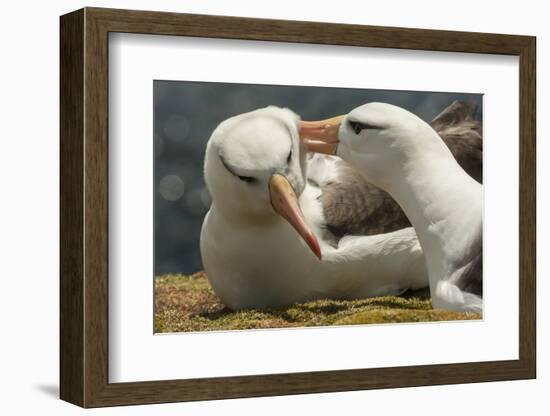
[286, 204]
[316, 248]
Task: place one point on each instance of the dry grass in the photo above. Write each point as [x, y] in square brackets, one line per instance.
[188, 303]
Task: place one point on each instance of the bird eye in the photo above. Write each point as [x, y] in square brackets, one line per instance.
[248, 179]
[358, 127]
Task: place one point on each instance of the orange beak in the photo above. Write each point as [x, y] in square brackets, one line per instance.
[285, 203]
[321, 136]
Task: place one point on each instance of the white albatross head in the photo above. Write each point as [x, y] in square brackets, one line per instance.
[255, 170]
[382, 140]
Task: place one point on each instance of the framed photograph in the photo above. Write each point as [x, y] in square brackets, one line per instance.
[256, 207]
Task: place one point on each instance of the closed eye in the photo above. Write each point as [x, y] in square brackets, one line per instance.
[358, 126]
[248, 179]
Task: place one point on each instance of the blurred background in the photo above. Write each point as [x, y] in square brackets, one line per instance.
[186, 113]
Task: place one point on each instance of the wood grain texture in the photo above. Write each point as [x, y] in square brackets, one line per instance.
[162, 23]
[527, 208]
[96, 216]
[84, 207]
[71, 100]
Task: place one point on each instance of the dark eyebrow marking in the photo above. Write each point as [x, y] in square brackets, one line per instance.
[249, 179]
[358, 126]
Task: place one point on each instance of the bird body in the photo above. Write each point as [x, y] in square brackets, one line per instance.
[353, 205]
[268, 265]
[398, 152]
[266, 228]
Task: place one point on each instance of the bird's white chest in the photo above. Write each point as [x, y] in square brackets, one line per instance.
[255, 267]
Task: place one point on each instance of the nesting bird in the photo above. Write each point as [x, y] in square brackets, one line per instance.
[398, 152]
[266, 241]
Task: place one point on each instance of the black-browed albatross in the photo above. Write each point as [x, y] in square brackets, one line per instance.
[258, 174]
[265, 232]
[353, 205]
[398, 152]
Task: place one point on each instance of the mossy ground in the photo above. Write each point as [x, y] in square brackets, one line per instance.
[188, 303]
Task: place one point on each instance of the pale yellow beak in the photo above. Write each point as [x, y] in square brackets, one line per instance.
[321, 136]
[285, 203]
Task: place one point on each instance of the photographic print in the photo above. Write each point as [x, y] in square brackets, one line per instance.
[300, 206]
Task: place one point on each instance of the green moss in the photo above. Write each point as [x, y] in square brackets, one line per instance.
[188, 303]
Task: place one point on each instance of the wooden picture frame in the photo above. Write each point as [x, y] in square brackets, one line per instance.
[84, 207]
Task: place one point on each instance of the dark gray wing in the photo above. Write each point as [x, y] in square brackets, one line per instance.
[353, 206]
[461, 132]
[471, 269]
[471, 280]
